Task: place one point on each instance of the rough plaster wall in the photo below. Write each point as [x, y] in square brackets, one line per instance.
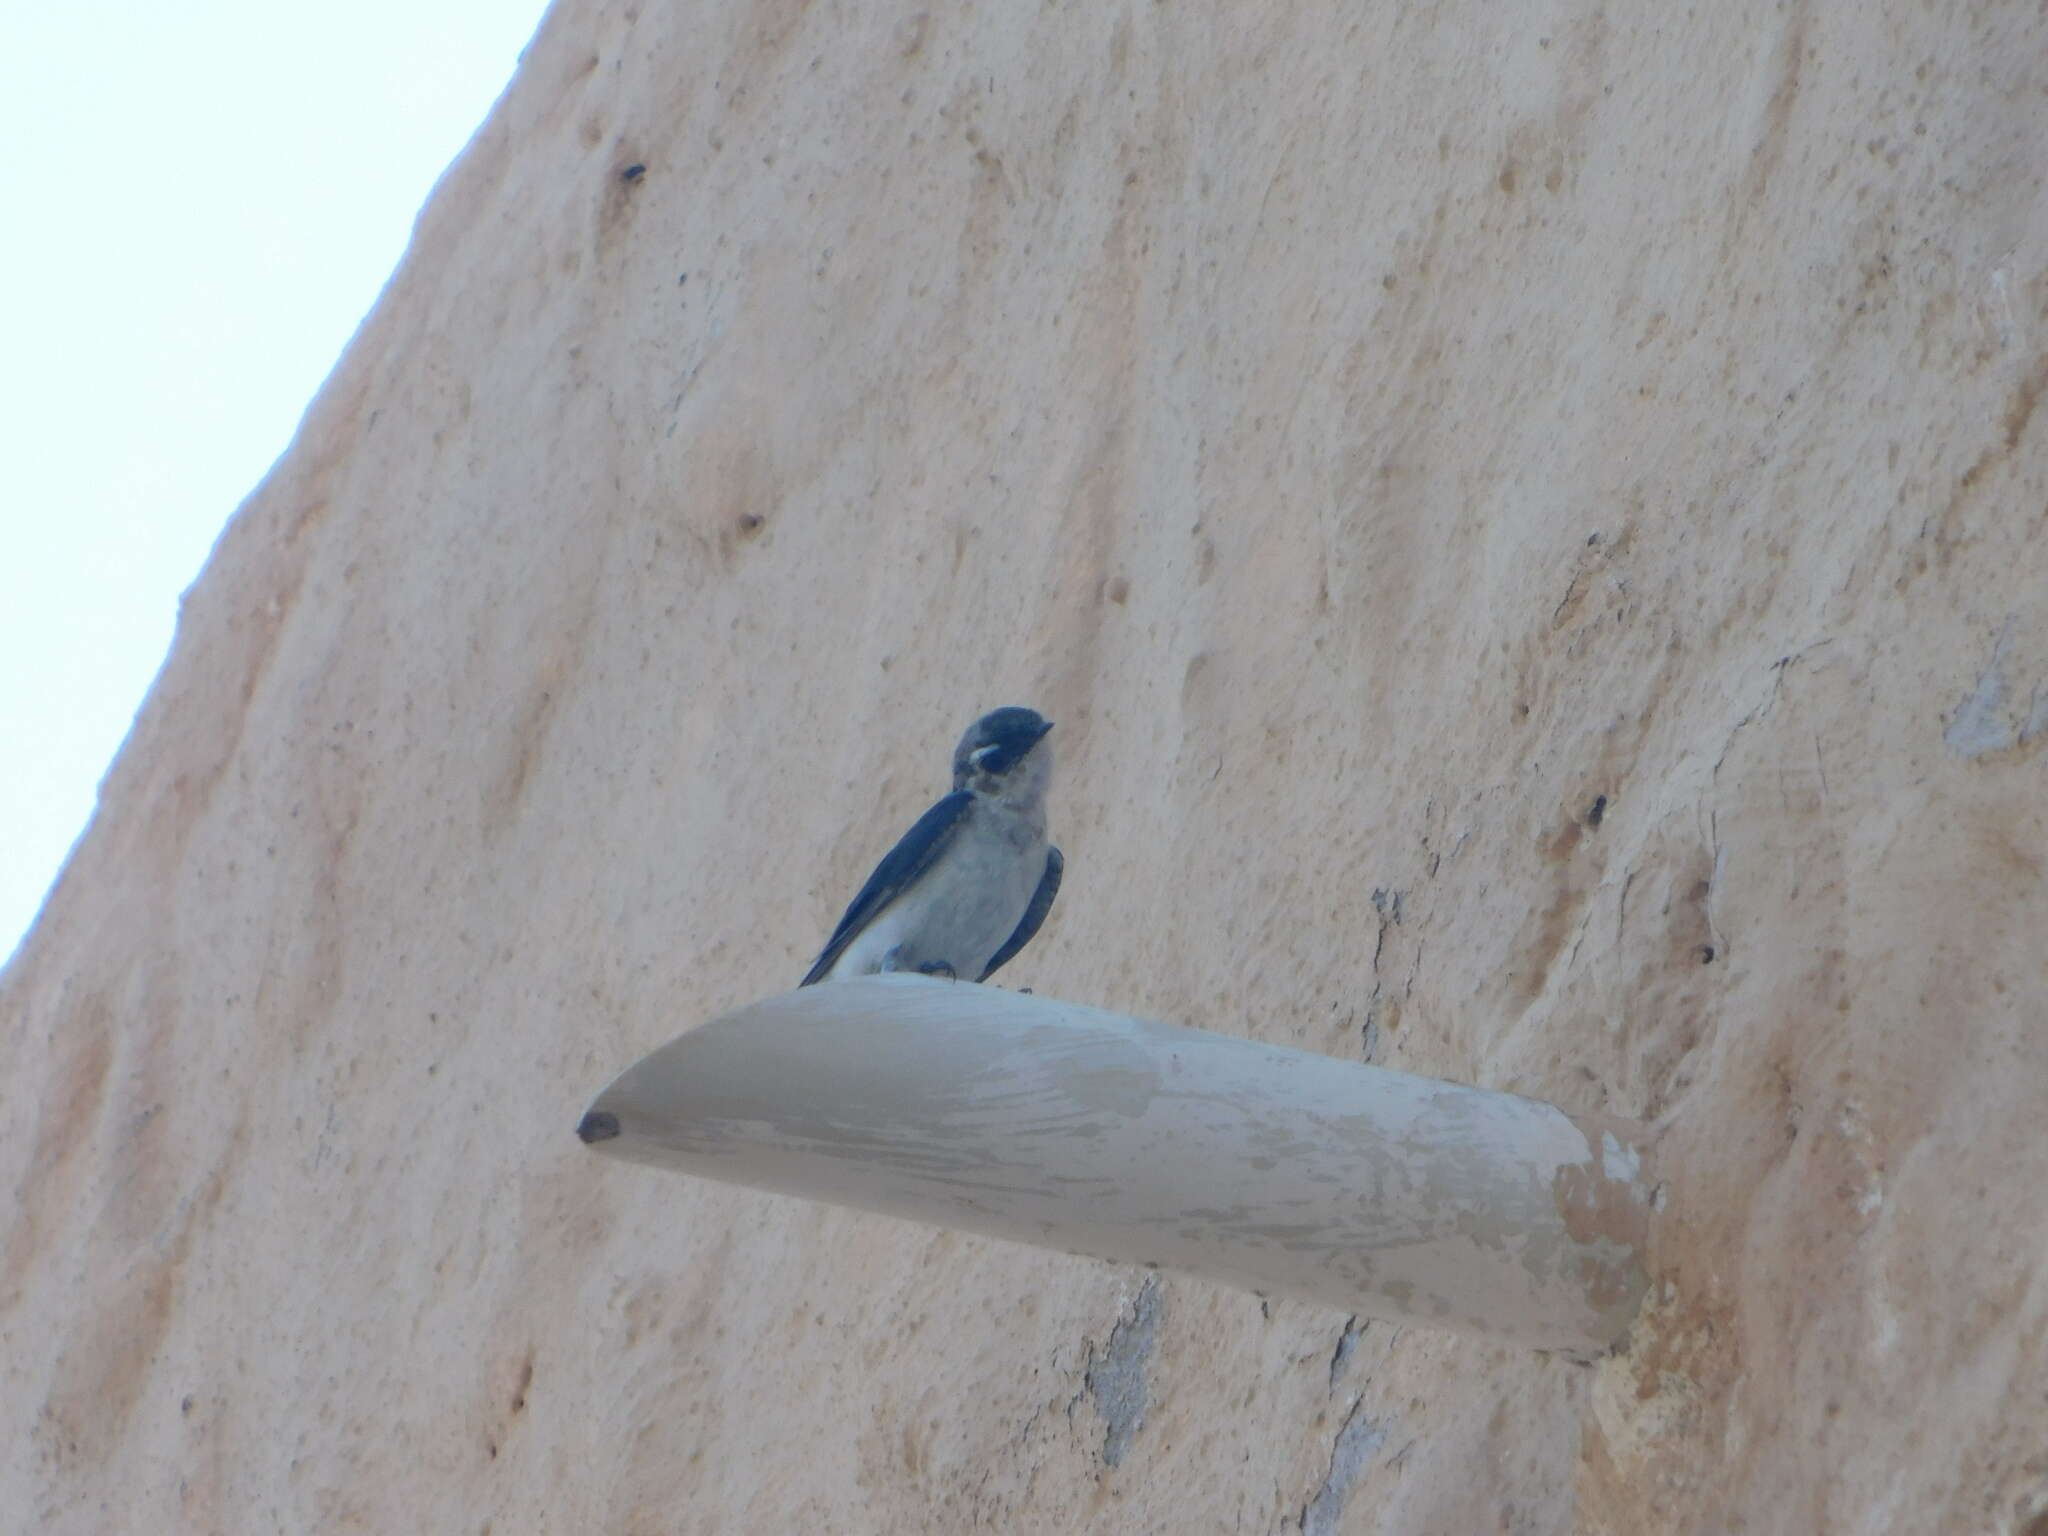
[1380, 436]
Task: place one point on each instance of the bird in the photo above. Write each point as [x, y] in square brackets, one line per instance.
[969, 884]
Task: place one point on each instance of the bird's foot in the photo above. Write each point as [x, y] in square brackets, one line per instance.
[938, 968]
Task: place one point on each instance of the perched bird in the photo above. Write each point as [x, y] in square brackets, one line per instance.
[968, 885]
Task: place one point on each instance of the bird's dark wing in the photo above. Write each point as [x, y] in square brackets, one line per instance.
[1041, 903]
[911, 857]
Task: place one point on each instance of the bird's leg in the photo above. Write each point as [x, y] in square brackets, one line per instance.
[938, 968]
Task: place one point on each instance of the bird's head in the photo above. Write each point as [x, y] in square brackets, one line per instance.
[1005, 753]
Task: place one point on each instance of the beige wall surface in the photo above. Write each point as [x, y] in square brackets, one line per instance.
[1533, 524]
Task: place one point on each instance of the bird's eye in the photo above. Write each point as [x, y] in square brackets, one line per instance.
[990, 759]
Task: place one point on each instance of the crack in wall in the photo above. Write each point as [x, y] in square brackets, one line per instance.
[1355, 1444]
[1982, 724]
[1347, 1346]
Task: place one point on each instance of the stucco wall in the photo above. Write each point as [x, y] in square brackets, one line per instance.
[1531, 524]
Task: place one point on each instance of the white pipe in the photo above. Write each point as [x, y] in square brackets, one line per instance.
[969, 1106]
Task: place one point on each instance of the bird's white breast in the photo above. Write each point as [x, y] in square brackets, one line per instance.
[963, 909]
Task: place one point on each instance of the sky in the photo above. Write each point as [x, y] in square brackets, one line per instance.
[203, 201]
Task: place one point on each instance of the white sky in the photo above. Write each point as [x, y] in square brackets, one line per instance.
[201, 200]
